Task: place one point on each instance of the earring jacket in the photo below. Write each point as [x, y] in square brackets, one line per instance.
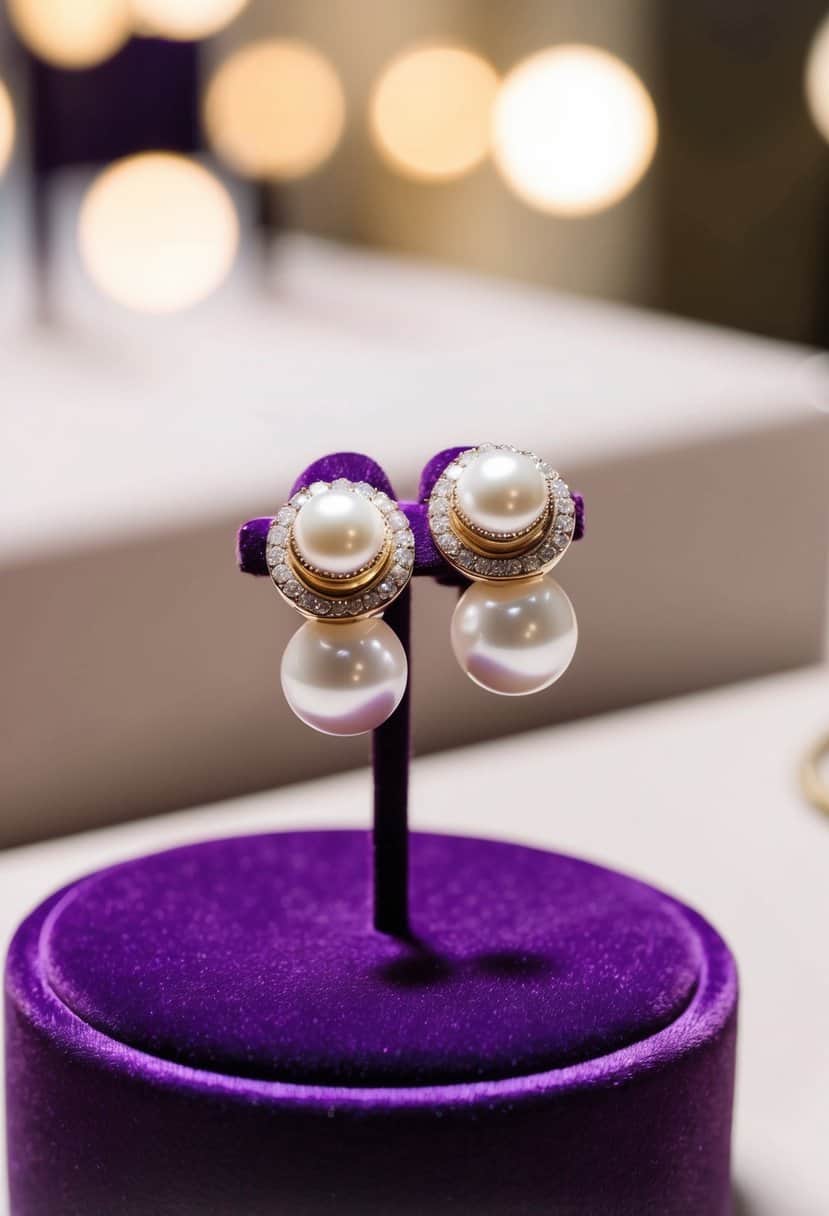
[503, 517]
[341, 552]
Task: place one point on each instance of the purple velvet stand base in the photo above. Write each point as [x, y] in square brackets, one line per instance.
[219, 1030]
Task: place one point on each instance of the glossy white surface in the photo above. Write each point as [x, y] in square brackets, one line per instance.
[339, 531]
[515, 638]
[502, 492]
[344, 679]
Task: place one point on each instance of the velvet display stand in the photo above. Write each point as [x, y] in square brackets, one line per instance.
[223, 1028]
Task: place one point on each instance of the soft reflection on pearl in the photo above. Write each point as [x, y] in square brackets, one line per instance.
[344, 679]
[517, 637]
[502, 492]
[339, 531]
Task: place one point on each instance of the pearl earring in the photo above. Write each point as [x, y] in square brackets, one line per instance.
[503, 518]
[340, 553]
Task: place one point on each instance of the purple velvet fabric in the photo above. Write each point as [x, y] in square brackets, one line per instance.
[219, 1030]
[353, 465]
[250, 542]
[560, 928]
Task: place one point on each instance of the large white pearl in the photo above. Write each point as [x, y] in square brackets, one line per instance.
[501, 492]
[515, 637]
[344, 679]
[339, 531]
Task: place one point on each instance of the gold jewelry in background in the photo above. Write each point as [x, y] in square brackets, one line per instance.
[813, 781]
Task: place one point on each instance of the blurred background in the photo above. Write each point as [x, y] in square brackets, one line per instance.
[689, 147]
[389, 125]
[236, 234]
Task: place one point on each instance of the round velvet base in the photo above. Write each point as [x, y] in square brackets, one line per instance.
[219, 1029]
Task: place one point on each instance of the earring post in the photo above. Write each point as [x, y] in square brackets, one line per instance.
[390, 747]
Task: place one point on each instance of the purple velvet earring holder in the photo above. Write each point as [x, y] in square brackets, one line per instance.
[220, 1029]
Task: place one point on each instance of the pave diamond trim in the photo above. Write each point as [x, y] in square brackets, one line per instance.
[537, 558]
[393, 574]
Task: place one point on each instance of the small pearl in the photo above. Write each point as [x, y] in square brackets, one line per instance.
[514, 638]
[344, 679]
[339, 532]
[502, 492]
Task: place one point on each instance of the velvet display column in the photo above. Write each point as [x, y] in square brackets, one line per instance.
[390, 748]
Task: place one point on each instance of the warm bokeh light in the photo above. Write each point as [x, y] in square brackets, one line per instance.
[72, 33]
[574, 130]
[431, 111]
[157, 232]
[6, 127]
[185, 20]
[817, 78]
[275, 109]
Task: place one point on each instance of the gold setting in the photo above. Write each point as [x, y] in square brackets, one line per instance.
[493, 544]
[491, 557]
[326, 583]
[322, 595]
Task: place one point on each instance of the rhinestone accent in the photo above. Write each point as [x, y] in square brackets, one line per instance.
[546, 551]
[342, 607]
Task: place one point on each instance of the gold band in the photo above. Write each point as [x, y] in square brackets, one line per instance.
[327, 584]
[489, 546]
[813, 780]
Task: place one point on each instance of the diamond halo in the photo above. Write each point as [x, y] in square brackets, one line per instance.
[392, 576]
[536, 559]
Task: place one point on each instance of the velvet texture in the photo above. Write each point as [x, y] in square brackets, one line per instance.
[390, 1016]
[250, 542]
[219, 1030]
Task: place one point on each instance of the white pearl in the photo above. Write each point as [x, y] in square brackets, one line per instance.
[515, 637]
[502, 492]
[344, 679]
[339, 531]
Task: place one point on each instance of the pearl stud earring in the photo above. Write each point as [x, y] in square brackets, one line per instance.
[340, 552]
[503, 518]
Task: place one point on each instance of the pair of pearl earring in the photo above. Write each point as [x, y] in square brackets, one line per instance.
[341, 552]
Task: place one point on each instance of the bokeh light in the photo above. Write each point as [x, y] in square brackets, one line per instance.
[185, 20]
[6, 127]
[817, 78]
[275, 109]
[574, 130]
[157, 232]
[72, 33]
[431, 111]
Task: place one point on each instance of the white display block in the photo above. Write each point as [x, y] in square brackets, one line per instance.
[141, 672]
[697, 796]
